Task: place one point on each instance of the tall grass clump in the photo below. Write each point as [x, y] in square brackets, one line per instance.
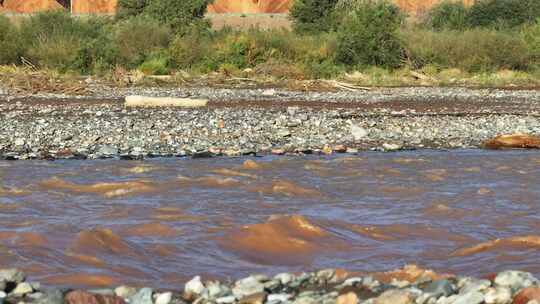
[277, 53]
[368, 36]
[10, 48]
[54, 39]
[475, 50]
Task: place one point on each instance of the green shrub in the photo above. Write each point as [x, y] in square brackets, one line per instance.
[531, 35]
[503, 13]
[130, 8]
[98, 50]
[177, 14]
[313, 15]
[451, 15]
[9, 42]
[475, 50]
[137, 37]
[368, 36]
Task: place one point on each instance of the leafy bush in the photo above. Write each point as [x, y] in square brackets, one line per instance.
[475, 50]
[531, 35]
[9, 42]
[503, 13]
[368, 36]
[313, 15]
[451, 15]
[139, 36]
[130, 8]
[178, 14]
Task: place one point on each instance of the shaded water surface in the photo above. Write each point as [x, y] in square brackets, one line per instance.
[159, 222]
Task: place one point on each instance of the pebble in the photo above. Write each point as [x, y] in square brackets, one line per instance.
[348, 298]
[114, 131]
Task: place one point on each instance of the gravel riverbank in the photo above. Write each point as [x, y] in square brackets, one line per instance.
[260, 121]
[409, 286]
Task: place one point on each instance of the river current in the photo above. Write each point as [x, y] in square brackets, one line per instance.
[162, 221]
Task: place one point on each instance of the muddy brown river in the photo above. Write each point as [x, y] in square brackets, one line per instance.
[160, 222]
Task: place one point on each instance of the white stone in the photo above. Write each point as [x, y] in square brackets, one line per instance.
[226, 300]
[195, 286]
[22, 289]
[285, 278]
[499, 295]
[278, 297]
[124, 291]
[164, 298]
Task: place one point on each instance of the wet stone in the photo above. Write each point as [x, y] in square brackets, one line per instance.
[125, 291]
[527, 295]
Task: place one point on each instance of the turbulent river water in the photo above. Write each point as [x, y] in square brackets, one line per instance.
[160, 222]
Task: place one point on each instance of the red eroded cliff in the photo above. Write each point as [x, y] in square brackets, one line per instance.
[94, 6]
[250, 6]
[30, 6]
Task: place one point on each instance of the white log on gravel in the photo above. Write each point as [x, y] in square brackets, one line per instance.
[144, 101]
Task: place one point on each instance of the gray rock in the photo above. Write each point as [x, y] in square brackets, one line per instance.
[53, 296]
[107, 150]
[475, 285]
[358, 132]
[143, 296]
[473, 297]
[515, 280]
[246, 287]
[440, 288]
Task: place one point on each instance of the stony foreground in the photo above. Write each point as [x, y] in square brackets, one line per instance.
[325, 286]
[251, 121]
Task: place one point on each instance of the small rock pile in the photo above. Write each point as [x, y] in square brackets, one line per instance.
[325, 286]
